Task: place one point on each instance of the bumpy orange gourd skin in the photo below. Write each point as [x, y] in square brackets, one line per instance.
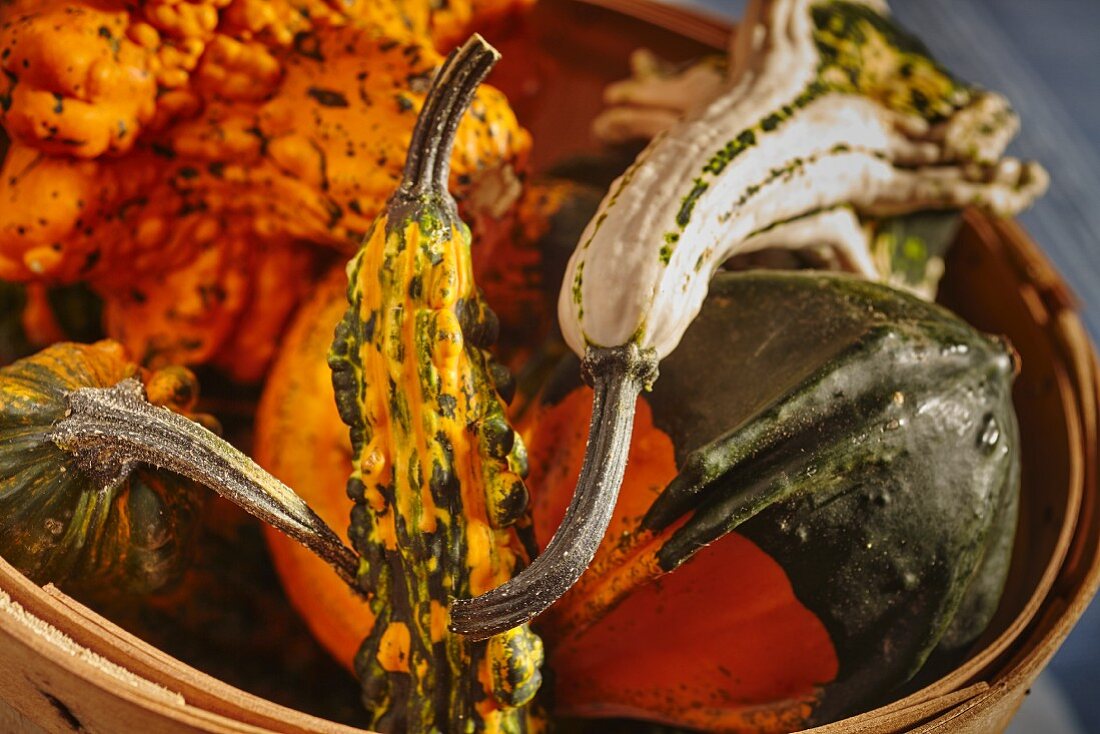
[92, 100]
[187, 159]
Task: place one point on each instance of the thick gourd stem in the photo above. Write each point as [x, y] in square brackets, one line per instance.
[110, 430]
[617, 375]
[429, 160]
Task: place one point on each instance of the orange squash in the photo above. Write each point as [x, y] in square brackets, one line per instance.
[301, 440]
[747, 645]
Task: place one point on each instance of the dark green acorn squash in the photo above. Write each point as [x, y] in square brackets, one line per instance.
[821, 492]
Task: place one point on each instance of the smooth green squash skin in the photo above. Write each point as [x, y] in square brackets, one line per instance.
[58, 523]
[863, 439]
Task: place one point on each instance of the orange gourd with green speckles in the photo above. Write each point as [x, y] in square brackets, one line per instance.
[440, 504]
[300, 438]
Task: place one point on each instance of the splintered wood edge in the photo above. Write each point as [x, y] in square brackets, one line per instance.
[64, 644]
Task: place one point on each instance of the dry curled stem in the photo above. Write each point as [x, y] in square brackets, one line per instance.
[110, 430]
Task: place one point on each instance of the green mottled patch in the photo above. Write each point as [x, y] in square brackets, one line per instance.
[665, 254]
[687, 205]
[865, 53]
[718, 162]
[908, 248]
[578, 286]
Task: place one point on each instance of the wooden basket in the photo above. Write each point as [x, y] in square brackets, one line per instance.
[67, 669]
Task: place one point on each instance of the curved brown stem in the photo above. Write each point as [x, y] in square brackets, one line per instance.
[429, 159]
[618, 375]
[110, 430]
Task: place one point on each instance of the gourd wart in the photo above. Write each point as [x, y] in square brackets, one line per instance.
[827, 105]
[224, 155]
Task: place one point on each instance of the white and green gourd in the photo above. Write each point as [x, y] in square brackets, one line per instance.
[827, 111]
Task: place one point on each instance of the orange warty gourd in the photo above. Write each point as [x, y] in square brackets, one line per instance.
[192, 161]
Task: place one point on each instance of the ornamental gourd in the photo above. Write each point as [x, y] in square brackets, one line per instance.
[440, 503]
[300, 438]
[81, 502]
[821, 495]
[59, 522]
[827, 105]
[223, 151]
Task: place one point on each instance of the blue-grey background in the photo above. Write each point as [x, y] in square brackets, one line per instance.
[1045, 56]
